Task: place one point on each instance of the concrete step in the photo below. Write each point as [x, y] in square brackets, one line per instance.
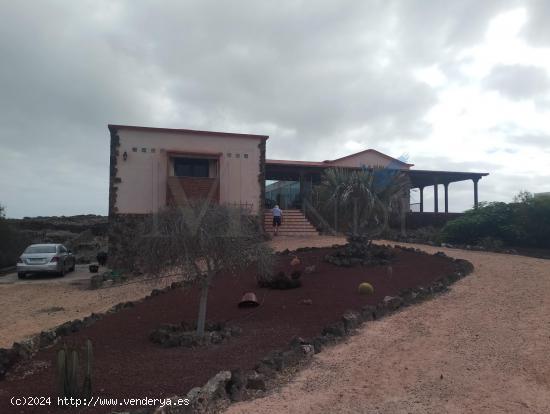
[294, 224]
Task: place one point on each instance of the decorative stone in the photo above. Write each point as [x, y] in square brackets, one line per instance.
[298, 341]
[267, 370]
[351, 321]
[8, 357]
[216, 337]
[392, 302]
[26, 348]
[256, 381]
[319, 343]
[215, 389]
[237, 385]
[47, 338]
[291, 358]
[172, 335]
[337, 329]
[368, 313]
[308, 350]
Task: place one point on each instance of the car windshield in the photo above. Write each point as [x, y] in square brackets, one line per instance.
[40, 249]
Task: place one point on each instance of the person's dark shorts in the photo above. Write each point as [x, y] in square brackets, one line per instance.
[276, 221]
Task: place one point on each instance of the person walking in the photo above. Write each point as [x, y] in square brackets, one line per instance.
[277, 219]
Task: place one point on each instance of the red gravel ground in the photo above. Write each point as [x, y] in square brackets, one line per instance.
[127, 364]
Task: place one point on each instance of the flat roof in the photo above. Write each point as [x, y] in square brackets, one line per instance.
[116, 127]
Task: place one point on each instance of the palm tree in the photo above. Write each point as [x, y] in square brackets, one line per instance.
[362, 200]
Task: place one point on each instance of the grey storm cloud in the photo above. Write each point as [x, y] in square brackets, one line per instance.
[538, 31]
[306, 73]
[518, 81]
[520, 137]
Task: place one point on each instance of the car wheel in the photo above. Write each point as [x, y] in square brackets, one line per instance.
[21, 275]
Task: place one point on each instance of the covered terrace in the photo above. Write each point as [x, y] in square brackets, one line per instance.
[308, 173]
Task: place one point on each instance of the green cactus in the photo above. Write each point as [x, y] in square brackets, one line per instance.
[68, 372]
[87, 386]
[366, 289]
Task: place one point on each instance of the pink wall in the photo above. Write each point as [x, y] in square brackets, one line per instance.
[143, 175]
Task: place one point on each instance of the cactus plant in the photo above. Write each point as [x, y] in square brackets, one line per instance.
[87, 386]
[366, 289]
[68, 372]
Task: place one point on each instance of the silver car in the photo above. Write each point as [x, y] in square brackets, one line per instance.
[45, 258]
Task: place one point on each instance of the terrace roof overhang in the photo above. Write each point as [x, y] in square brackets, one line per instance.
[281, 170]
[425, 178]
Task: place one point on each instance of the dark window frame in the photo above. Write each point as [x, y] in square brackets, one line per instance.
[191, 167]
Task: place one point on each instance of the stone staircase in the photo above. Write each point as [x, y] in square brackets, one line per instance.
[294, 224]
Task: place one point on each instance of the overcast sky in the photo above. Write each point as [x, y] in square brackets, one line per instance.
[454, 85]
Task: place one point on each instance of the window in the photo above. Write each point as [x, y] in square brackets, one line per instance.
[237, 155]
[228, 155]
[246, 155]
[45, 248]
[153, 150]
[144, 150]
[190, 167]
[134, 149]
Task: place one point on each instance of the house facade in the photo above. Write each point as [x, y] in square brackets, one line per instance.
[152, 168]
[155, 167]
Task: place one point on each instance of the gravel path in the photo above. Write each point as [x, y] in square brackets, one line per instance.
[484, 347]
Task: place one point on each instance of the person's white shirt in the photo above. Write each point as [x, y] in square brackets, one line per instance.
[277, 212]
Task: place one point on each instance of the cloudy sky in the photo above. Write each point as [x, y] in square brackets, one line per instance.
[454, 85]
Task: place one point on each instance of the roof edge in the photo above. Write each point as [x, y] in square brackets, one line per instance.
[116, 127]
[370, 150]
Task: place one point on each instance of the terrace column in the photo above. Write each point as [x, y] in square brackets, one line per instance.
[421, 199]
[476, 201]
[302, 192]
[446, 186]
[436, 197]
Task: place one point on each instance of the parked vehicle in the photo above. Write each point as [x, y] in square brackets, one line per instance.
[45, 258]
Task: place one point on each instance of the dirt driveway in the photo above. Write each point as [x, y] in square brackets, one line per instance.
[81, 272]
[42, 302]
[484, 347]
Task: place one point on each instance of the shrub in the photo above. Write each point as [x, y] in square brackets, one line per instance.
[491, 243]
[12, 242]
[524, 222]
